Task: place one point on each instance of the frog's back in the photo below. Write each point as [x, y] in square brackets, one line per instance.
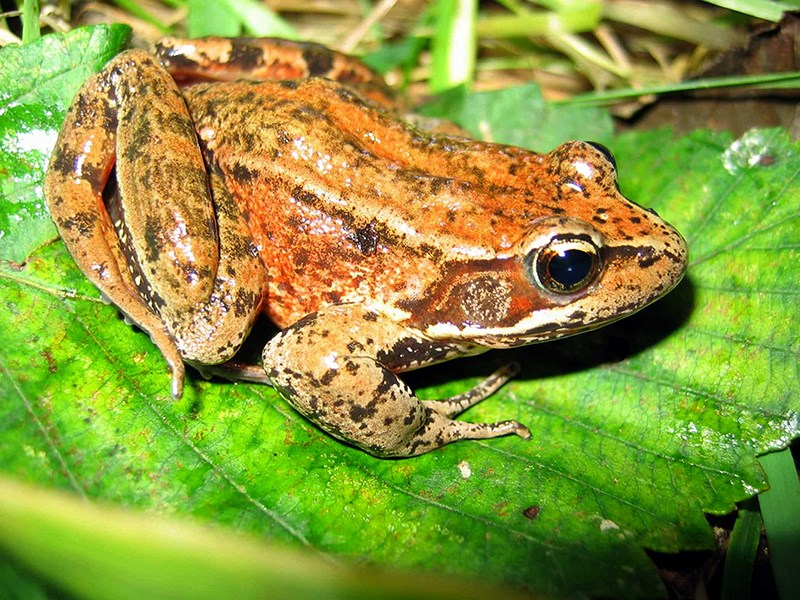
[348, 204]
[345, 203]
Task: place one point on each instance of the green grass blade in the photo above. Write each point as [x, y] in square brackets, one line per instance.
[454, 43]
[771, 80]
[257, 19]
[780, 508]
[666, 19]
[212, 18]
[736, 581]
[30, 21]
[135, 9]
[104, 553]
[762, 9]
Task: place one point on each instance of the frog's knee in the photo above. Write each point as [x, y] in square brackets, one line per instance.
[356, 400]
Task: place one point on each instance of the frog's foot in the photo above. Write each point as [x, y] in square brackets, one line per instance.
[439, 430]
[455, 405]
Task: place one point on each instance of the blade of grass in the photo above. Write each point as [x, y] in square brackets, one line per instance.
[780, 508]
[260, 20]
[135, 9]
[454, 43]
[212, 18]
[574, 18]
[742, 547]
[762, 9]
[665, 19]
[771, 80]
[30, 21]
[102, 552]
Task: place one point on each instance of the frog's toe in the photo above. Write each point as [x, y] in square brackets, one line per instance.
[521, 430]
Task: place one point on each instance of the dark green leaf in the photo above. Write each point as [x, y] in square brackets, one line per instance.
[520, 116]
[37, 83]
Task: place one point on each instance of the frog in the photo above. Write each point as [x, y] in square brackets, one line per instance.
[213, 181]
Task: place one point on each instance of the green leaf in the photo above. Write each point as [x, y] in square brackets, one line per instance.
[638, 428]
[37, 83]
[520, 116]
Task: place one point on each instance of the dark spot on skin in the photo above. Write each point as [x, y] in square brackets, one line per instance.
[635, 220]
[371, 316]
[355, 345]
[305, 197]
[153, 242]
[283, 138]
[245, 302]
[328, 377]
[64, 161]
[388, 382]
[301, 258]
[82, 222]
[365, 238]
[410, 417]
[359, 413]
[243, 174]
[332, 297]
[319, 60]
[245, 55]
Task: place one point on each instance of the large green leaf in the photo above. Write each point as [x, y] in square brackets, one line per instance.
[37, 83]
[638, 428]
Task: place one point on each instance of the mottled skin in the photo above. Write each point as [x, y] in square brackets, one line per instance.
[377, 248]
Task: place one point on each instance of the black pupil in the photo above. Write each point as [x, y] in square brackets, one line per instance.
[570, 267]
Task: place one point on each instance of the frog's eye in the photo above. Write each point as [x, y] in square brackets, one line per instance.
[566, 264]
[605, 152]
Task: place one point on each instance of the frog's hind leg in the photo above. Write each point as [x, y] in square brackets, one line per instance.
[333, 366]
[81, 165]
[267, 59]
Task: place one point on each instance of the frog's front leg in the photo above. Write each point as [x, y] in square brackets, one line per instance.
[337, 366]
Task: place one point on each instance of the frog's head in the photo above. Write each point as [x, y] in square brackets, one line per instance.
[589, 257]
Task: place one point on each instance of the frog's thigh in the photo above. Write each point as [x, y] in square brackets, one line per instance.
[324, 366]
